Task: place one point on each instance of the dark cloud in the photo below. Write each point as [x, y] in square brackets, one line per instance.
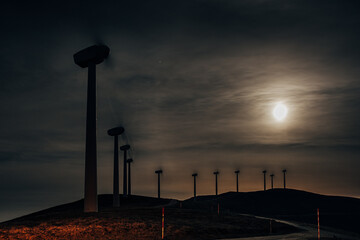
[193, 83]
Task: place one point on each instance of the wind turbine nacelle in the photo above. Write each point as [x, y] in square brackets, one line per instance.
[116, 131]
[158, 171]
[125, 147]
[129, 160]
[237, 171]
[195, 175]
[94, 54]
[217, 172]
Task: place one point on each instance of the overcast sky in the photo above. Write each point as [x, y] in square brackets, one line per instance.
[193, 83]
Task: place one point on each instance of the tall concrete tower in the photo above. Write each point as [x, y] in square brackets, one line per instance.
[264, 172]
[88, 58]
[195, 175]
[158, 172]
[216, 173]
[237, 180]
[125, 148]
[115, 132]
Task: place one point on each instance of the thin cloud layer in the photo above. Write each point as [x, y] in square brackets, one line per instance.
[193, 83]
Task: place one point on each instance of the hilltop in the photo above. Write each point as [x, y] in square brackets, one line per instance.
[137, 218]
[288, 204]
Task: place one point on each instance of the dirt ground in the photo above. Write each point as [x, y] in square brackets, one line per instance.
[136, 222]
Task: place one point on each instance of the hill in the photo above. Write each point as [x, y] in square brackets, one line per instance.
[288, 204]
[137, 218]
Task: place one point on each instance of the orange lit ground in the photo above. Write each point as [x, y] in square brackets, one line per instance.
[138, 220]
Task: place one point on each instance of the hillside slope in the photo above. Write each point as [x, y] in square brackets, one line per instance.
[137, 218]
[335, 211]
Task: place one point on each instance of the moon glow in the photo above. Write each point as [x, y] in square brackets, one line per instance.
[280, 112]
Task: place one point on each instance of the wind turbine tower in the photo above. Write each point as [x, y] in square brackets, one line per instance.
[158, 172]
[88, 58]
[237, 180]
[125, 148]
[129, 161]
[195, 175]
[272, 181]
[264, 172]
[115, 132]
[216, 173]
[284, 172]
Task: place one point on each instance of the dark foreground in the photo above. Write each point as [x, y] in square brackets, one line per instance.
[137, 218]
[336, 212]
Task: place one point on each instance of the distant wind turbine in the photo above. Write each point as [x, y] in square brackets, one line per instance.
[272, 181]
[264, 172]
[195, 175]
[216, 182]
[284, 172]
[115, 132]
[237, 180]
[129, 161]
[158, 172]
[125, 148]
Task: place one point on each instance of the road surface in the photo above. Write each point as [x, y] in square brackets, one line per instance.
[309, 232]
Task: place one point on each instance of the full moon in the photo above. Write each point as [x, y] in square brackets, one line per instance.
[280, 111]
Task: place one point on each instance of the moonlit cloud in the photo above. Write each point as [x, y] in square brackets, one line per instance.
[194, 84]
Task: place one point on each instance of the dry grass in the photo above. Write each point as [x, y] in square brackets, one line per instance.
[142, 223]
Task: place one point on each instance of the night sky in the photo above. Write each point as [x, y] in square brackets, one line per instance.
[194, 84]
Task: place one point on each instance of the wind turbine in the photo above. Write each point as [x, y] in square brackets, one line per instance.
[216, 182]
[129, 161]
[125, 148]
[115, 132]
[88, 58]
[195, 175]
[264, 172]
[158, 172]
[284, 172]
[272, 181]
[237, 180]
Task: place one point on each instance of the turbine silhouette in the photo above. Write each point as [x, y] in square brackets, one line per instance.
[272, 181]
[216, 182]
[125, 148]
[264, 172]
[88, 58]
[195, 175]
[129, 161]
[158, 172]
[237, 180]
[284, 172]
[115, 132]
